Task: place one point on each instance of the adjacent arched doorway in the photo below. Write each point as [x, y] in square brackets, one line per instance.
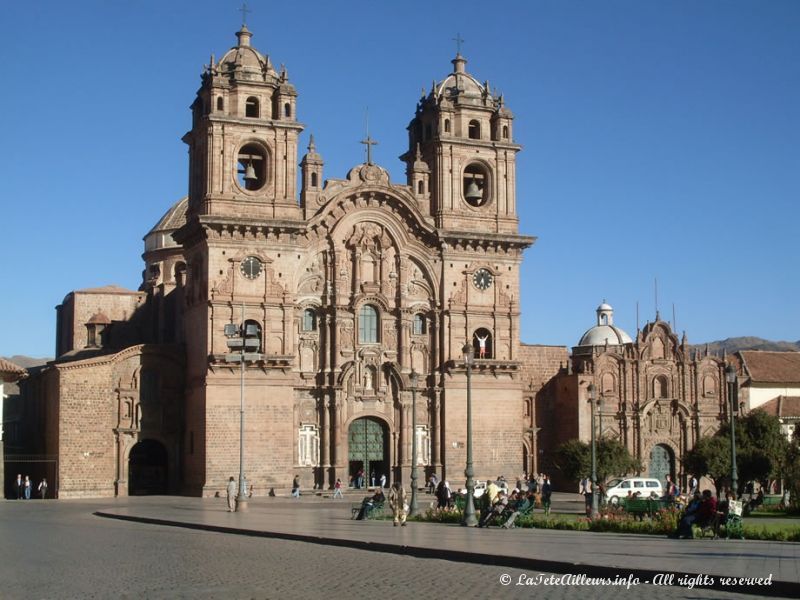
[368, 449]
[661, 463]
[147, 469]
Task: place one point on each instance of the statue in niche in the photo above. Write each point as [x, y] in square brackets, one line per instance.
[368, 383]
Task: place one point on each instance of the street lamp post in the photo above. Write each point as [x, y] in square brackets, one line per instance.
[413, 510]
[592, 399]
[241, 338]
[730, 376]
[470, 520]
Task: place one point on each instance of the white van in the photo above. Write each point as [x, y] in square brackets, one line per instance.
[620, 487]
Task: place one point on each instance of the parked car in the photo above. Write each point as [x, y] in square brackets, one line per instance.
[480, 488]
[620, 487]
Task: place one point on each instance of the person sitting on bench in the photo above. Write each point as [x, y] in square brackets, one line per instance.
[369, 502]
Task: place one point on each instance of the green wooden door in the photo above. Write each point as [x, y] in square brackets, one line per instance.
[366, 440]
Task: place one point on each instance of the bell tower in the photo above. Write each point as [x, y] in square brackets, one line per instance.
[464, 134]
[243, 141]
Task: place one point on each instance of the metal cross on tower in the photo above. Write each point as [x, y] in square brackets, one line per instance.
[369, 143]
[244, 10]
[458, 40]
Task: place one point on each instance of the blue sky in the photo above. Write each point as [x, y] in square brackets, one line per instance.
[661, 140]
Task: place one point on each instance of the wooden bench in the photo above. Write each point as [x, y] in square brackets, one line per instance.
[371, 512]
[643, 506]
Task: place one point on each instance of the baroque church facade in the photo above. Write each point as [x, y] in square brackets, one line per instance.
[318, 319]
[333, 295]
[653, 393]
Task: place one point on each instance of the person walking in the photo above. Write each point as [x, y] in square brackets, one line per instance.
[397, 502]
[27, 484]
[546, 492]
[231, 491]
[383, 480]
[337, 489]
[19, 487]
[296, 486]
[43, 488]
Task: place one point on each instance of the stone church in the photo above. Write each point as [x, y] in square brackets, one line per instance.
[316, 320]
[301, 314]
[653, 393]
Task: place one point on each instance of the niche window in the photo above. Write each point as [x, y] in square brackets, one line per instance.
[447, 125]
[309, 320]
[474, 130]
[252, 167]
[505, 132]
[287, 110]
[420, 326]
[368, 325]
[220, 104]
[251, 108]
[482, 343]
[474, 185]
[660, 387]
[313, 180]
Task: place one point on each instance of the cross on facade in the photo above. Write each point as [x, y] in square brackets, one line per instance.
[458, 40]
[244, 10]
[369, 143]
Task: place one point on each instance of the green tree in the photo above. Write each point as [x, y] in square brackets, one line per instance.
[574, 459]
[711, 456]
[761, 447]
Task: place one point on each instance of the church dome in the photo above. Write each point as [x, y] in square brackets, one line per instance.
[160, 236]
[245, 62]
[605, 332]
[459, 82]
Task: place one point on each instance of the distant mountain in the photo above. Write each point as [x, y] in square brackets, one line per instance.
[26, 361]
[731, 345]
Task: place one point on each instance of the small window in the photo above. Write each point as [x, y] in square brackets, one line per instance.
[309, 320]
[421, 187]
[220, 104]
[482, 343]
[638, 484]
[474, 131]
[368, 325]
[625, 485]
[652, 484]
[253, 338]
[505, 132]
[447, 125]
[287, 110]
[420, 326]
[313, 180]
[251, 108]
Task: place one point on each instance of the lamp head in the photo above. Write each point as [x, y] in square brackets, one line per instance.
[413, 377]
[730, 374]
[469, 353]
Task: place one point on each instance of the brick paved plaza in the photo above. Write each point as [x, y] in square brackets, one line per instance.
[64, 550]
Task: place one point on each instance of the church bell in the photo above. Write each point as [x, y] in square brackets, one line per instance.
[250, 173]
[473, 192]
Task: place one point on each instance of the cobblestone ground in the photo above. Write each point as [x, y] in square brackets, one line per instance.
[61, 551]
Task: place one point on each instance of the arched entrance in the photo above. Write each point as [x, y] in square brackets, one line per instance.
[368, 449]
[147, 469]
[661, 463]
